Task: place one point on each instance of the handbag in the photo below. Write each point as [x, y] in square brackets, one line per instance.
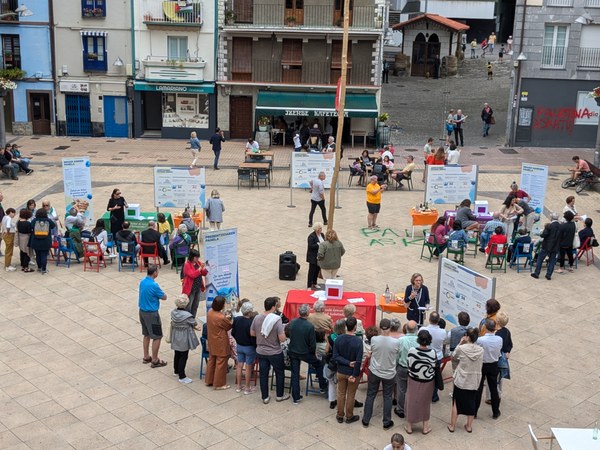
[492, 121]
[576, 242]
[169, 335]
[439, 379]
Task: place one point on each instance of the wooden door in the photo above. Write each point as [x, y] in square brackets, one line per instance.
[240, 117]
[39, 104]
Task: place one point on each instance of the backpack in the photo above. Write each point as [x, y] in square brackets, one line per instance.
[41, 229]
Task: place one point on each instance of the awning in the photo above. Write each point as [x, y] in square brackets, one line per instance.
[205, 88]
[272, 103]
[94, 33]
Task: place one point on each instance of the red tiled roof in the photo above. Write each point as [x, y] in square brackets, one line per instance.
[444, 21]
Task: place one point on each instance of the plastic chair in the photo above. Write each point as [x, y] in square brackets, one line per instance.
[204, 355]
[67, 250]
[407, 178]
[310, 381]
[110, 245]
[522, 250]
[497, 251]
[364, 370]
[454, 248]
[125, 250]
[92, 251]
[178, 258]
[245, 175]
[585, 250]
[264, 175]
[148, 250]
[355, 173]
[431, 247]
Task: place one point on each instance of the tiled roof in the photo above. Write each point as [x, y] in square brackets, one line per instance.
[444, 21]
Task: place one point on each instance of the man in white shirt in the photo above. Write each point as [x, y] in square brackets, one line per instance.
[317, 198]
[492, 347]
[382, 369]
[438, 338]
[252, 146]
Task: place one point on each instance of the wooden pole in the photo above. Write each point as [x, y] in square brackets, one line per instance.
[342, 104]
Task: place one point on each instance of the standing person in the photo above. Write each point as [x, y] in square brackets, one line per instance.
[8, 236]
[427, 151]
[297, 141]
[459, 331]
[439, 338]
[473, 47]
[459, 120]
[484, 47]
[416, 295]
[382, 370]
[453, 155]
[330, 255]
[116, 206]
[314, 239]
[41, 238]
[302, 347]
[490, 71]
[195, 147]
[269, 333]
[374, 191]
[31, 206]
[216, 140]
[53, 215]
[436, 67]
[245, 347]
[183, 336]
[218, 324]
[487, 116]
[567, 234]
[347, 352]
[193, 283]
[501, 53]
[421, 373]
[467, 362]
[317, 198]
[408, 341]
[449, 125]
[23, 238]
[492, 41]
[386, 72]
[149, 304]
[330, 147]
[509, 42]
[214, 210]
[492, 347]
[2, 213]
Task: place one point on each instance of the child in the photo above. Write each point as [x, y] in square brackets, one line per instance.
[497, 238]
[321, 343]
[522, 238]
[397, 443]
[182, 335]
[357, 167]
[163, 225]
[490, 71]
[501, 53]
[459, 235]
[8, 236]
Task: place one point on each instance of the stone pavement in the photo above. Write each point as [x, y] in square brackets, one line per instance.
[70, 349]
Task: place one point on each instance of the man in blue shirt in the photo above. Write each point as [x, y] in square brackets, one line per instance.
[149, 303]
[215, 141]
[488, 230]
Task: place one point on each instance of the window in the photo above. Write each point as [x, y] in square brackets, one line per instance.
[177, 48]
[94, 53]
[336, 54]
[93, 8]
[241, 59]
[554, 52]
[11, 51]
[589, 47]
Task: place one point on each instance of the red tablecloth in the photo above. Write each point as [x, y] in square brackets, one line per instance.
[365, 311]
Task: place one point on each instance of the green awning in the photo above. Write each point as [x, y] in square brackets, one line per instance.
[272, 103]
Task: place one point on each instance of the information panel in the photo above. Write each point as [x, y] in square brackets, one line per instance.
[77, 183]
[306, 167]
[534, 179]
[221, 258]
[178, 187]
[451, 184]
[462, 289]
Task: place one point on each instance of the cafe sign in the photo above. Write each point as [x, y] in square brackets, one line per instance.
[76, 87]
[311, 112]
[176, 88]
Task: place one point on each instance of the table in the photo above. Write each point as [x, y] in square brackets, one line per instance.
[365, 311]
[393, 306]
[422, 218]
[481, 218]
[139, 224]
[177, 219]
[575, 438]
[255, 166]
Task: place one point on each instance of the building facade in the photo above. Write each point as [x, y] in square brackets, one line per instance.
[26, 55]
[174, 70]
[281, 59]
[92, 39]
[558, 64]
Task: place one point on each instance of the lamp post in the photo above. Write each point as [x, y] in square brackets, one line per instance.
[597, 151]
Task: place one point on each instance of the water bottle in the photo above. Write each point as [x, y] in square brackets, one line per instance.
[595, 432]
[194, 210]
[387, 295]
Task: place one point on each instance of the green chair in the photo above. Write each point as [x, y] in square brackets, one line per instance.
[431, 247]
[498, 253]
[458, 252]
[177, 255]
[473, 240]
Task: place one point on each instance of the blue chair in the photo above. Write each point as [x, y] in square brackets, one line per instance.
[204, 356]
[522, 250]
[66, 249]
[110, 245]
[125, 250]
[310, 381]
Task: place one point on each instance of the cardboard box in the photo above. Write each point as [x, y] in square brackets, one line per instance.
[481, 207]
[334, 289]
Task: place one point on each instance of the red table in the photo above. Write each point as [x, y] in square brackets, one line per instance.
[365, 311]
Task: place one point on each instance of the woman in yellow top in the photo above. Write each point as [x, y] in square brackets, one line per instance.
[374, 191]
[164, 228]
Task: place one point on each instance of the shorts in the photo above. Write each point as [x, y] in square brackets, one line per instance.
[246, 354]
[151, 324]
[373, 207]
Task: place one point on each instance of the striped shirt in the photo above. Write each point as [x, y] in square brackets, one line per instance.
[421, 364]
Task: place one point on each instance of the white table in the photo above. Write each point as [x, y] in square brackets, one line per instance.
[575, 438]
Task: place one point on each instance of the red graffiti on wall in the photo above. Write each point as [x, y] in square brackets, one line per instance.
[560, 119]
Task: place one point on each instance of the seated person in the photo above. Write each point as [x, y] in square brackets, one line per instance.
[357, 167]
[126, 236]
[497, 238]
[522, 237]
[458, 237]
[21, 160]
[251, 146]
[7, 167]
[389, 165]
[180, 245]
[100, 235]
[400, 175]
[488, 230]
[188, 221]
[388, 150]
[367, 161]
[75, 234]
[438, 230]
[586, 233]
[73, 217]
[465, 216]
[581, 167]
[163, 227]
[151, 235]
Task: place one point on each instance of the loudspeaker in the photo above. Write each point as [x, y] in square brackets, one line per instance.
[287, 266]
[287, 258]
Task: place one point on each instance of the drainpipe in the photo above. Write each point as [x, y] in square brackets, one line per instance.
[513, 107]
[53, 61]
[216, 57]
[132, 8]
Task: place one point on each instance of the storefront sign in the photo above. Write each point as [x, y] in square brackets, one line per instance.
[74, 86]
[587, 111]
[181, 88]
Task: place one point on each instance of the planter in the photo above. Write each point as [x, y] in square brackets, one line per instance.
[263, 127]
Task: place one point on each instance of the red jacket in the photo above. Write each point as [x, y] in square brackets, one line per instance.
[189, 275]
[496, 239]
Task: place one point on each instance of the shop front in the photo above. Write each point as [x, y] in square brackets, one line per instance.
[174, 110]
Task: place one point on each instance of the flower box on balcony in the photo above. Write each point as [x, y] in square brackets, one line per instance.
[158, 68]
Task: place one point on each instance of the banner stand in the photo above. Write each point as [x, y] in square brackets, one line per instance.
[337, 196]
[291, 205]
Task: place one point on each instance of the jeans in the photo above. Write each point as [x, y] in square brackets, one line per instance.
[217, 154]
[195, 299]
[41, 258]
[484, 238]
[265, 362]
[551, 262]
[401, 383]
[179, 363]
[472, 53]
[373, 387]
[458, 133]
[489, 373]
[486, 128]
[312, 360]
[313, 206]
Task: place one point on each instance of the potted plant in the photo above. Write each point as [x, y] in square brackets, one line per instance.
[229, 17]
[595, 94]
[6, 85]
[12, 74]
[290, 20]
[263, 123]
[379, 22]
[383, 118]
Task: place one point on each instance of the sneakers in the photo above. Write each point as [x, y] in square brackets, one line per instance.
[11, 268]
[29, 172]
[267, 400]
[44, 272]
[281, 399]
[249, 390]
[185, 380]
[297, 402]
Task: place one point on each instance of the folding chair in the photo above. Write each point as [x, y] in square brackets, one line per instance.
[148, 250]
[457, 251]
[473, 240]
[431, 247]
[126, 250]
[524, 250]
[497, 251]
[310, 381]
[92, 256]
[585, 250]
[66, 249]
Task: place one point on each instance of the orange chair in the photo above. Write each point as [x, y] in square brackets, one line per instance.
[148, 250]
[587, 250]
[92, 250]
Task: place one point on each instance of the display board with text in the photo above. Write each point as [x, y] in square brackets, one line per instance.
[451, 184]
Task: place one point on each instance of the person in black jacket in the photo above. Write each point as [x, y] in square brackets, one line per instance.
[550, 247]
[567, 234]
[314, 239]
[151, 236]
[7, 167]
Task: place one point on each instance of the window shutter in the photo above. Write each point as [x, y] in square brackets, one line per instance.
[292, 52]
[242, 55]
[336, 54]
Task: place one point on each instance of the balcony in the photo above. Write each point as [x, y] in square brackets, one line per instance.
[592, 3]
[553, 57]
[589, 58]
[162, 69]
[172, 14]
[560, 3]
[7, 11]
